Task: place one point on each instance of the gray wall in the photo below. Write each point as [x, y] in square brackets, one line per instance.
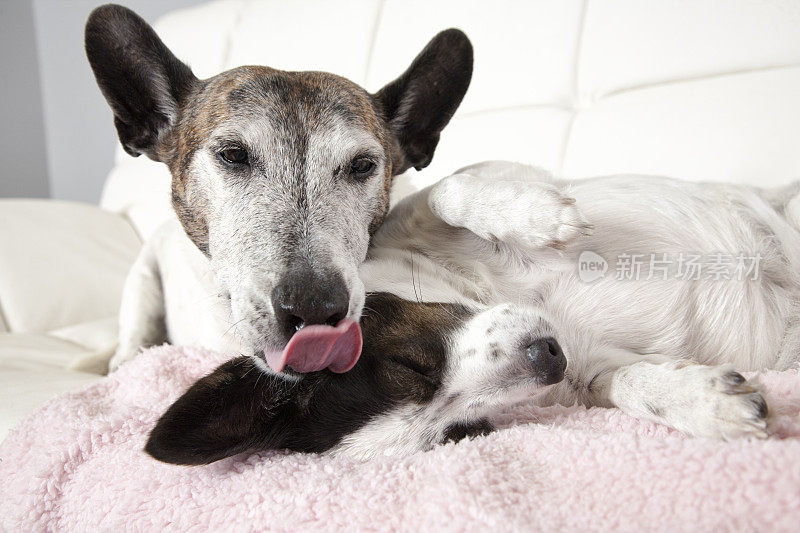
[23, 155]
[76, 137]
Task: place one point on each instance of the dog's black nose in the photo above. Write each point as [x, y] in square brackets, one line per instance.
[547, 359]
[303, 298]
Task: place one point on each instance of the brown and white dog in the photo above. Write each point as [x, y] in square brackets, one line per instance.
[279, 179]
[475, 301]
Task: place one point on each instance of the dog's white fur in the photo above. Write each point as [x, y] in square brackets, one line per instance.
[171, 285]
[498, 233]
[504, 240]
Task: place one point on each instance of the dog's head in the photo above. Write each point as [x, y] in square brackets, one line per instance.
[429, 373]
[280, 178]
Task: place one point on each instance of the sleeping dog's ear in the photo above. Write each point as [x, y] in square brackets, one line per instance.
[419, 104]
[143, 82]
[234, 409]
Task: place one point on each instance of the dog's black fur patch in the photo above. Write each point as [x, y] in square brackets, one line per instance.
[238, 408]
[437, 79]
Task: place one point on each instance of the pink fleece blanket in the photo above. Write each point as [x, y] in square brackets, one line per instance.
[77, 465]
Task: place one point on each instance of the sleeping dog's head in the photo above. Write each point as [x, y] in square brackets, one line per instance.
[429, 373]
[279, 177]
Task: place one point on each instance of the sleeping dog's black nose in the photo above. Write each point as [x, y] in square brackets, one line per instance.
[303, 298]
[547, 359]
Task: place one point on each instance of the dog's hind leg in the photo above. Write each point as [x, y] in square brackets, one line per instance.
[141, 316]
[706, 401]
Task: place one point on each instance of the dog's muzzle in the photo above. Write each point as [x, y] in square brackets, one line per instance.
[311, 310]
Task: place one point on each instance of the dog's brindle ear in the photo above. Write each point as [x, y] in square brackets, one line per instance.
[234, 409]
[143, 82]
[419, 104]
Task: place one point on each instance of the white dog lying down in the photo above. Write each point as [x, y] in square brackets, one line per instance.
[485, 286]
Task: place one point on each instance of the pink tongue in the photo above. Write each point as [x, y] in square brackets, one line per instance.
[316, 347]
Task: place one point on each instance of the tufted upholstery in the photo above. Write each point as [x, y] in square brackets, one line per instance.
[702, 89]
[696, 89]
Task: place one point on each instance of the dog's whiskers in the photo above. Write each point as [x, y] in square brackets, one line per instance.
[233, 326]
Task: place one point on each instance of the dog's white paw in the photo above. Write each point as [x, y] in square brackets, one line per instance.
[527, 214]
[547, 217]
[715, 402]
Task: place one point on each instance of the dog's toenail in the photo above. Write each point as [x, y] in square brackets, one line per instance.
[761, 405]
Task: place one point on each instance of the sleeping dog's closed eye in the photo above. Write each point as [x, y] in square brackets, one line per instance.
[431, 375]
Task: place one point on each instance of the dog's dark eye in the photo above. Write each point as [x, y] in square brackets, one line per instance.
[234, 156]
[361, 167]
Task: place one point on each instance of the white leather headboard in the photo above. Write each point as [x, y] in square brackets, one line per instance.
[695, 89]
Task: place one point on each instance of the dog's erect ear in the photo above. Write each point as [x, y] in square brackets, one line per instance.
[234, 409]
[420, 103]
[143, 82]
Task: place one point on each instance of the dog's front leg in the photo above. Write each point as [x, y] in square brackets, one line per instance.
[527, 214]
[141, 314]
[706, 401]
